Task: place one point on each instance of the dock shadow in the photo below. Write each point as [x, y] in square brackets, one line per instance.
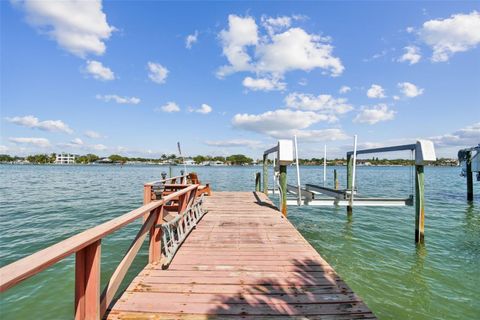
[311, 290]
[262, 203]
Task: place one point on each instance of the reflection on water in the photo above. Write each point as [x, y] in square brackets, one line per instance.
[373, 250]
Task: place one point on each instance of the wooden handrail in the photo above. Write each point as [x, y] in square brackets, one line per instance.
[167, 180]
[24, 268]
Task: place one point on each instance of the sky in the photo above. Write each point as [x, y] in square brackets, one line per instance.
[135, 78]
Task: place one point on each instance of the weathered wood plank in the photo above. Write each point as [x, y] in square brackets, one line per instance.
[243, 261]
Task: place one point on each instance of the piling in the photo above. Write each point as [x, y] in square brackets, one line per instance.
[349, 180]
[335, 179]
[469, 174]
[283, 189]
[257, 182]
[265, 174]
[419, 204]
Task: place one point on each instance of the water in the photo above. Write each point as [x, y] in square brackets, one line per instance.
[373, 252]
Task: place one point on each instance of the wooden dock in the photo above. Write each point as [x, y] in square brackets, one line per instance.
[243, 260]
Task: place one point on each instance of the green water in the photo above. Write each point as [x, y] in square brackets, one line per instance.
[374, 251]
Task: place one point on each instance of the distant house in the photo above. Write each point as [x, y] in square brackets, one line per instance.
[65, 158]
[189, 162]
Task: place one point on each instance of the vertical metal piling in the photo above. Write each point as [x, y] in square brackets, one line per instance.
[419, 204]
[283, 189]
[469, 176]
[265, 174]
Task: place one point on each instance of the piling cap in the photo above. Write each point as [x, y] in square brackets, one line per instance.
[424, 152]
[285, 152]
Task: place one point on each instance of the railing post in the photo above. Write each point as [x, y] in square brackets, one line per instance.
[258, 187]
[283, 186]
[155, 249]
[147, 193]
[87, 282]
[469, 176]
[265, 174]
[419, 204]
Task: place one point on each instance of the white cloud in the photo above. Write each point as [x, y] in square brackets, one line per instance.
[277, 52]
[410, 29]
[233, 143]
[446, 37]
[79, 27]
[191, 39]
[323, 103]
[465, 137]
[410, 90]
[99, 71]
[241, 32]
[47, 125]
[204, 109]
[376, 91]
[118, 99]
[411, 55]
[263, 84]
[332, 134]
[99, 147]
[37, 142]
[274, 122]
[344, 89]
[168, 107]
[92, 134]
[157, 72]
[375, 114]
[4, 148]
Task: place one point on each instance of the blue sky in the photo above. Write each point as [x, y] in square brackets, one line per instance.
[222, 78]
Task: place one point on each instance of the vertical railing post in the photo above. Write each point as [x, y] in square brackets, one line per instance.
[155, 245]
[87, 282]
[258, 186]
[147, 193]
[349, 180]
[265, 174]
[283, 186]
[469, 176]
[419, 204]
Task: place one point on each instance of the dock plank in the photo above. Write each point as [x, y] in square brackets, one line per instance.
[244, 260]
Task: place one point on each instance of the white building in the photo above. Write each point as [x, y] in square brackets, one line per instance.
[65, 158]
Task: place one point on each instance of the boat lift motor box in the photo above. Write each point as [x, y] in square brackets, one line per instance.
[424, 152]
[285, 152]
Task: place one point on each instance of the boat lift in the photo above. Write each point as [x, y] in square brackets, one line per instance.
[316, 195]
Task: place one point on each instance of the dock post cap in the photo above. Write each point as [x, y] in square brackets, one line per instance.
[285, 152]
[424, 152]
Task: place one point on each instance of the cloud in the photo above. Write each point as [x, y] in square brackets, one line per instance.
[157, 72]
[93, 134]
[465, 137]
[99, 71]
[375, 114]
[168, 107]
[99, 147]
[376, 91]
[191, 39]
[263, 84]
[446, 37]
[273, 122]
[37, 142]
[344, 89]
[118, 99]
[4, 148]
[332, 134]
[80, 27]
[410, 90]
[277, 52]
[411, 55]
[233, 143]
[204, 109]
[323, 103]
[241, 32]
[47, 125]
